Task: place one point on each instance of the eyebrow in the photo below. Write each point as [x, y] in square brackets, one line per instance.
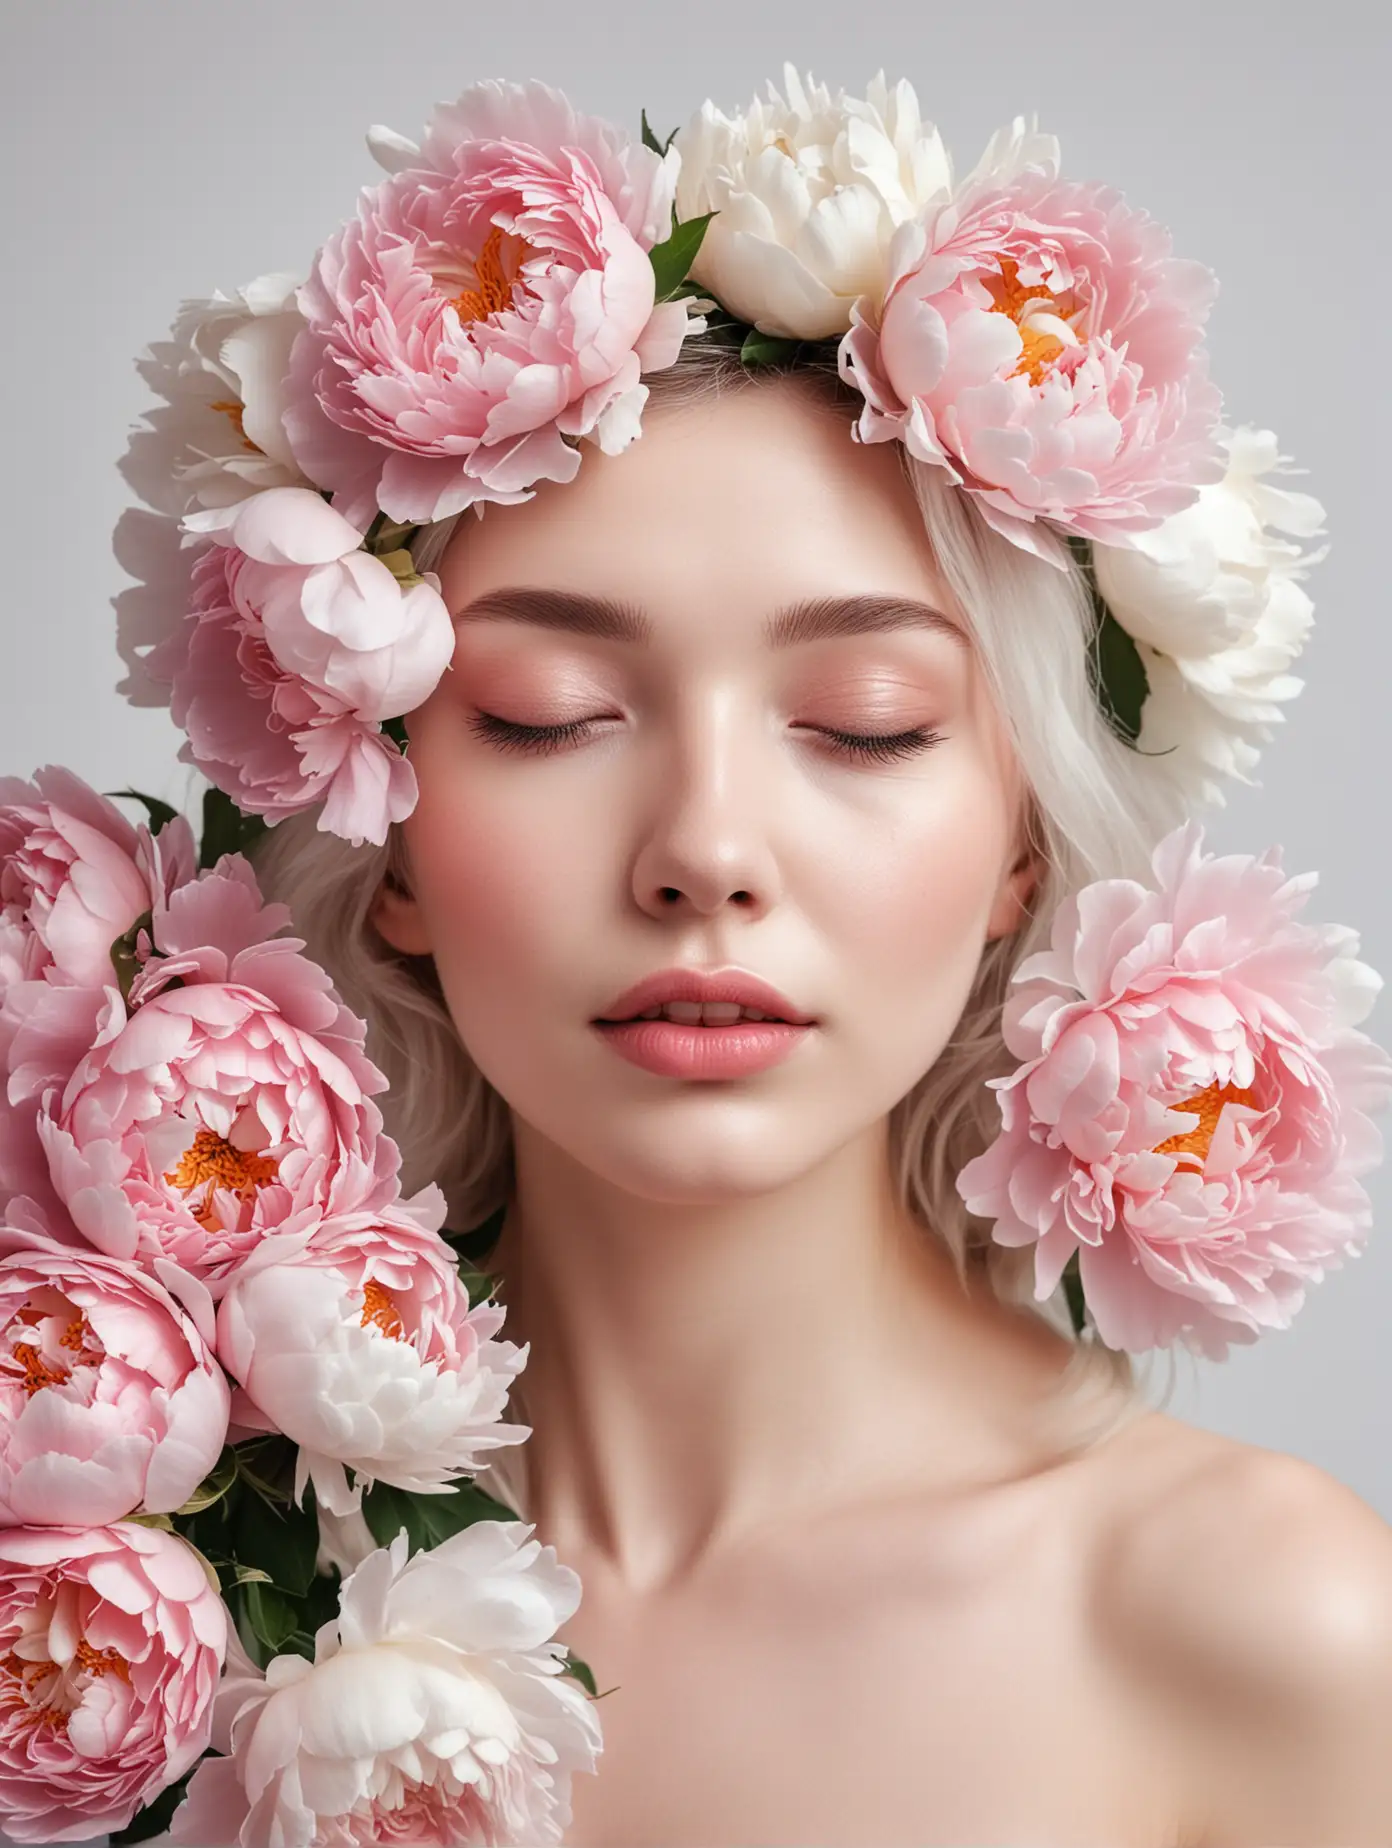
[813, 620]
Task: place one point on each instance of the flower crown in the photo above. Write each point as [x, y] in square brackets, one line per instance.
[499, 298]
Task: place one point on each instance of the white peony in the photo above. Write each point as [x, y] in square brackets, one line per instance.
[435, 1710]
[217, 436]
[808, 192]
[1212, 596]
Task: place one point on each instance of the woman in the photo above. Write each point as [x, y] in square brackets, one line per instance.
[814, 1487]
[746, 714]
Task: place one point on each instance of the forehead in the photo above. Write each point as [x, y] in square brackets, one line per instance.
[741, 503]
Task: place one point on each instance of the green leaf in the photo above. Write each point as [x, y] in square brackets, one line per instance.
[160, 813]
[766, 349]
[650, 140]
[1119, 678]
[214, 1485]
[402, 567]
[225, 828]
[318, 1607]
[675, 255]
[480, 1285]
[386, 535]
[1073, 1292]
[479, 1240]
[157, 1815]
[1116, 670]
[273, 1616]
[396, 731]
[162, 1523]
[124, 957]
[428, 1519]
[283, 1541]
[581, 1672]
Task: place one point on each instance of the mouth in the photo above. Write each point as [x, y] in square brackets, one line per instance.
[702, 1040]
[697, 1014]
[710, 999]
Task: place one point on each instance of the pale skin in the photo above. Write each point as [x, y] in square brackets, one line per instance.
[840, 1582]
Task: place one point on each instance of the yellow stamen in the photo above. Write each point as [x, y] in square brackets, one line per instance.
[495, 285]
[378, 1307]
[1194, 1144]
[214, 1160]
[1010, 296]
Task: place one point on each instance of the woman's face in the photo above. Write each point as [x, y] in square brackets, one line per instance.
[712, 621]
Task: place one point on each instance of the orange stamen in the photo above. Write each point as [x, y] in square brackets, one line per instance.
[19, 1688]
[236, 414]
[1194, 1144]
[102, 1661]
[378, 1307]
[214, 1160]
[1010, 296]
[495, 285]
[38, 1372]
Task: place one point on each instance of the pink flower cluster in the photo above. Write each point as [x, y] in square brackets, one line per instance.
[1192, 1111]
[198, 1203]
[492, 303]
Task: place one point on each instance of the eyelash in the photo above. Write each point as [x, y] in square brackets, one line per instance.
[543, 740]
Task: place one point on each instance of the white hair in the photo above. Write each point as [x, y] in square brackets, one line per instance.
[1096, 810]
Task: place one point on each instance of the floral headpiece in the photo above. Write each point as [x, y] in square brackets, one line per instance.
[248, 1585]
[496, 303]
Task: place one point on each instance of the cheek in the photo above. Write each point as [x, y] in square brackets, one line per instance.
[502, 883]
[910, 904]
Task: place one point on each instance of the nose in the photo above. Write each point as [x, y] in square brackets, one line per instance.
[706, 842]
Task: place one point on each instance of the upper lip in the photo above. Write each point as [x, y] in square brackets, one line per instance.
[705, 985]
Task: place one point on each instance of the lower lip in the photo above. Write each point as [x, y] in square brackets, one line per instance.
[673, 1050]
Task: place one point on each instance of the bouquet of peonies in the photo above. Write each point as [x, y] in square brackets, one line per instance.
[244, 1385]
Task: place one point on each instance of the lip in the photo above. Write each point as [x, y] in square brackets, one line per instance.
[736, 985]
[670, 1049]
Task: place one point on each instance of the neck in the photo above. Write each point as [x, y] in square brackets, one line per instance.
[699, 1370]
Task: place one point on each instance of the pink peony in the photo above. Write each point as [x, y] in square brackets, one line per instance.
[273, 742]
[75, 876]
[295, 643]
[491, 302]
[110, 1397]
[331, 612]
[435, 1711]
[359, 1344]
[111, 1643]
[1191, 1114]
[1038, 341]
[231, 1093]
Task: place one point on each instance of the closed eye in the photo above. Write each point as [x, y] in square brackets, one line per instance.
[543, 740]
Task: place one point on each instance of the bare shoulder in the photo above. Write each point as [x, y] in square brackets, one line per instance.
[1250, 1593]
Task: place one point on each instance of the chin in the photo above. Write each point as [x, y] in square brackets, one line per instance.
[702, 1164]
